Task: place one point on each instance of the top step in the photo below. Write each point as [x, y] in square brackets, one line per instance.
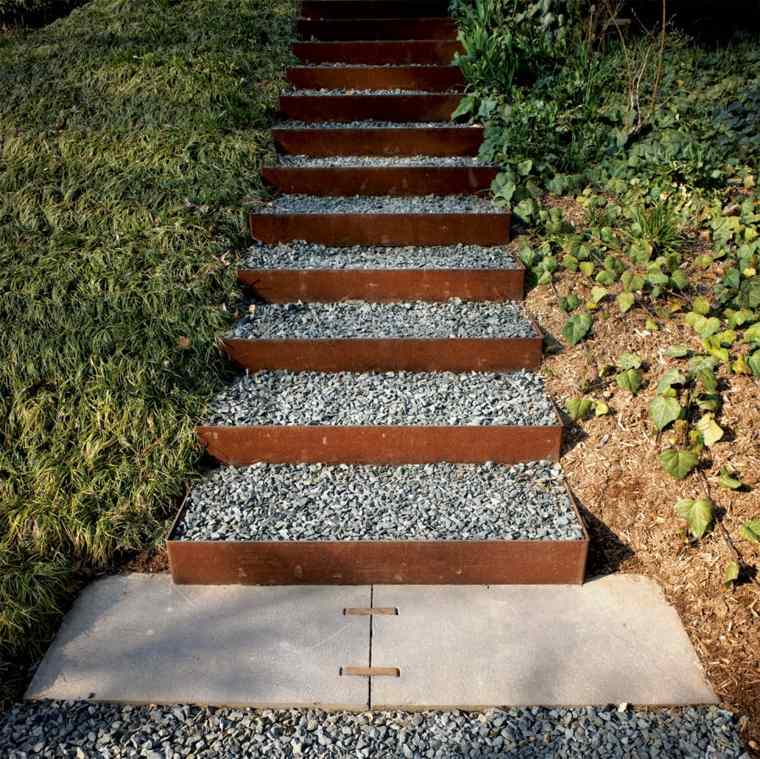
[371, 29]
[374, 9]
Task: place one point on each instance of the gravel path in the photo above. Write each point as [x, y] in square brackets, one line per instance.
[81, 730]
[371, 124]
[350, 319]
[306, 255]
[356, 502]
[381, 204]
[367, 161]
[390, 398]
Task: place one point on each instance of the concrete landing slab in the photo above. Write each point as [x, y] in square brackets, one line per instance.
[141, 639]
[613, 640]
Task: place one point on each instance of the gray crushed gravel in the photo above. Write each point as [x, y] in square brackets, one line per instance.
[389, 398]
[377, 204]
[339, 65]
[83, 730]
[369, 161]
[357, 502]
[351, 319]
[370, 124]
[306, 255]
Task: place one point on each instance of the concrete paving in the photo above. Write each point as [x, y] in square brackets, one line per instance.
[141, 639]
[610, 641]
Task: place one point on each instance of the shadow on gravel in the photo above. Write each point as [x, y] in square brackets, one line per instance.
[607, 551]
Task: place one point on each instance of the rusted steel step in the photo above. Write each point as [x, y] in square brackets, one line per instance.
[383, 229]
[382, 285]
[412, 336]
[404, 108]
[377, 9]
[380, 180]
[365, 355]
[210, 543]
[397, 52]
[428, 78]
[387, 29]
[374, 444]
[380, 141]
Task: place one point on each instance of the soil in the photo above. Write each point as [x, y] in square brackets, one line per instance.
[628, 500]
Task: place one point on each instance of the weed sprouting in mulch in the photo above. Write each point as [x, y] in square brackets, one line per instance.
[131, 135]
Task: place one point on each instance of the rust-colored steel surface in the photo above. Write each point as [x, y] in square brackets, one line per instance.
[427, 78]
[404, 141]
[383, 285]
[376, 9]
[388, 354]
[240, 445]
[423, 107]
[463, 562]
[398, 53]
[383, 229]
[380, 180]
[372, 29]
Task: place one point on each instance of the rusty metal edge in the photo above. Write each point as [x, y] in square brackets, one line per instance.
[345, 354]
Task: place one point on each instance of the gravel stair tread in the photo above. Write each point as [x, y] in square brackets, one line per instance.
[380, 204]
[384, 398]
[355, 319]
[278, 502]
[376, 124]
[301, 255]
[340, 162]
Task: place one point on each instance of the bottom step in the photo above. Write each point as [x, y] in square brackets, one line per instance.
[348, 525]
[141, 640]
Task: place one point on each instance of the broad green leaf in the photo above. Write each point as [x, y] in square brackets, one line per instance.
[625, 302]
[752, 335]
[670, 378]
[751, 530]
[663, 411]
[677, 462]
[601, 408]
[629, 380]
[629, 361]
[578, 408]
[705, 327]
[700, 305]
[466, 105]
[587, 267]
[707, 380]
[570, 303]
[576, 328]
[728, 481]
[525, 166]
[678, 279]
[698, 363]
[677, 351]
[740, 366]
[753, 362]
[605, 278]
[710, 429]
[598, 294]
[731, 574]
[699, 514]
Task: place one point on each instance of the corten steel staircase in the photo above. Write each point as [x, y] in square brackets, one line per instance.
[359, 47]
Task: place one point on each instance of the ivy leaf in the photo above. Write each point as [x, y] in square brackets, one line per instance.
[678, 279]
[629, 380]
[706, 327]
[587, 267]
[625, 302]
[629, 361]
[466, 105]
[663, 411]
[576, 328]
[677, 462]
[700, 305]
[578, 408]
[753, 362]
[711, 431]
[670, 378]
[751, 530]
[598, 294]
[728, 481]
[570, 303]
[677, 351]
[601, 408]
[731, 574]
[699, 514]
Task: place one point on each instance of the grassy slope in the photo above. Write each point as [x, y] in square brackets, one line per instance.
[130, 134]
